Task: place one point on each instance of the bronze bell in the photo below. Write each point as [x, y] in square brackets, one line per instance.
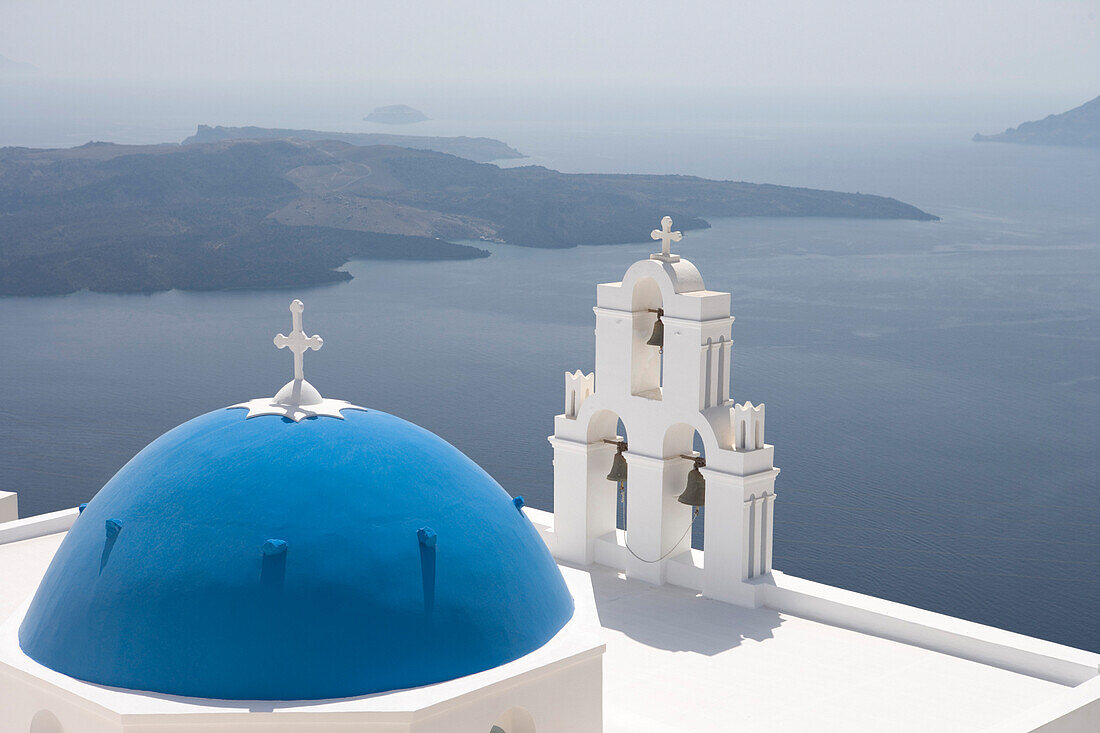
[696, 491]
[618, 466]
[657, 338]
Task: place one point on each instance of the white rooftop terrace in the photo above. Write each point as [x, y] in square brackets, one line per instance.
[676, 661]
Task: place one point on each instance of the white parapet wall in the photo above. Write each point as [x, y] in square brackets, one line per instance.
[9, 506]
[38, 525]
[929, 630]
[1076, 711]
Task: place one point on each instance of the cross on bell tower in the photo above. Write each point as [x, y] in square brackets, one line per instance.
[667, 237]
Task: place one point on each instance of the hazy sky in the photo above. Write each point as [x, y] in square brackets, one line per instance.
[921, 45]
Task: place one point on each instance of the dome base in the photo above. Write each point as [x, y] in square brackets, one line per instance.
[298, 392]
[297, 399]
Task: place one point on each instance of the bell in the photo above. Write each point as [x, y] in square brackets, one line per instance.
[696, 491]
[657, 338]
[618, 468]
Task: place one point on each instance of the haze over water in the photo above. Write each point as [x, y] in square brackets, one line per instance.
[931, 387]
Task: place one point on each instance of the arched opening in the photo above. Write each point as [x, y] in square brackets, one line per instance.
[45, 722]
[684, 441]
[606, 425]
[621, 487]
[516, 720]
[645, 360]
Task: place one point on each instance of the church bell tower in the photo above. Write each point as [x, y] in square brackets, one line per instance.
[662, 372]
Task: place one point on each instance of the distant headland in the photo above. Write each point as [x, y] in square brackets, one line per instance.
[11, 66]
[396, 114]
[263, 212]
[1079, 127]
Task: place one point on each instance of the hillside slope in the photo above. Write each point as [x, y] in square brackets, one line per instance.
[480, 149]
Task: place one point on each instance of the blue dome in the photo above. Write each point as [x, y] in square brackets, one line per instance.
[263, 558]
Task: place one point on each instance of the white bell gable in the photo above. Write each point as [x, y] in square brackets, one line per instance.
[664, 396]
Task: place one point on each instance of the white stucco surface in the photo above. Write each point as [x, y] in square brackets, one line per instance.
[22, 565]
[676, 661]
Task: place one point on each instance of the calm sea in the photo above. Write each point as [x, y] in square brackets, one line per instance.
[932, 388]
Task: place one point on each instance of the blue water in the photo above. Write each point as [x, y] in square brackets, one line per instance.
[932, 388]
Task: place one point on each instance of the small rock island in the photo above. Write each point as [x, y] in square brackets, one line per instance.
[396, 114]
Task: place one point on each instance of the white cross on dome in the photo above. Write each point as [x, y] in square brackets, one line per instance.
[298, 398]
[297, 341]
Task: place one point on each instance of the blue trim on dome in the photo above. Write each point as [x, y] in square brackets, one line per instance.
[346, 601]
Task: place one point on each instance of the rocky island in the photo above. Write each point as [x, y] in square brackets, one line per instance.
[1078, 127]
[396, 114]
[281, 212]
